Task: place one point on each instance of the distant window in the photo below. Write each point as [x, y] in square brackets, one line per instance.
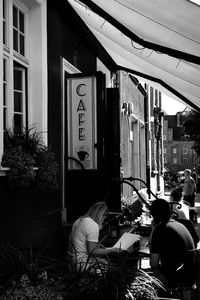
[164, 150]
[198, 161]
[174, 160]
[165, 160]
[164, 137]
[185, 151]
[185, 161]
[174, 150]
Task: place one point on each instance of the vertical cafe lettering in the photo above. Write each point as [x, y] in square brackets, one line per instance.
[81, 109]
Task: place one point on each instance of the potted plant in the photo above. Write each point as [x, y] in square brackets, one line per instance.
[30, 162]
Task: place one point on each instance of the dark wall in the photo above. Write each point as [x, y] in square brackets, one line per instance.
[67, 38]
[30, 218]
[64, 41]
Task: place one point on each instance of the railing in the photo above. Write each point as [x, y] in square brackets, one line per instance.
[129, 180]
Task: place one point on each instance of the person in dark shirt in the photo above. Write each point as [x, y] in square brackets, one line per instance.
[170, 257]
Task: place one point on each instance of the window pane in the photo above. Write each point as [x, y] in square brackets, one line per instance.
[4, 70]
[4, 118]
[4, 33]
[21, 22]
[18, 123]
[21, 44]
[18, 80]
[4, 9]
[17, 101]
[15, 40]
[15, 17]
[4, 94]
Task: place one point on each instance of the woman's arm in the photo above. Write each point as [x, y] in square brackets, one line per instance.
[97, 249]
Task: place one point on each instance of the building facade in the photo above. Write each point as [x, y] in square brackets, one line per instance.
[49, 61]
[178, 152]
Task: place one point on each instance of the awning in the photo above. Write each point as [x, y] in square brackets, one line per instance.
[158, 41]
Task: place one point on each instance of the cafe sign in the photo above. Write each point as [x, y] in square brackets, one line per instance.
[81, 112]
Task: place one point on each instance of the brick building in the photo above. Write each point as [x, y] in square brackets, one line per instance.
[178, 152]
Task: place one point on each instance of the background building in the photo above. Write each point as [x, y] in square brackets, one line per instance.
[178, 152]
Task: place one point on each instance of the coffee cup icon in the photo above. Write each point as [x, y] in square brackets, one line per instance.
[82, 155]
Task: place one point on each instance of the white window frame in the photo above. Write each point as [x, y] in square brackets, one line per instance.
[34, 61]
[5, 95]
[5, 21]
[23, 92]
[17, 29]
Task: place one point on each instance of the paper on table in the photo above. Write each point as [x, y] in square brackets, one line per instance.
[127, 240]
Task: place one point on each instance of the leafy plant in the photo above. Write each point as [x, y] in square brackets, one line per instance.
[29, 276]
[116, 278]
[22, 153]
[36, 276]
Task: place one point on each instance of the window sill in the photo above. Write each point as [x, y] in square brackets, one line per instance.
[3, 170]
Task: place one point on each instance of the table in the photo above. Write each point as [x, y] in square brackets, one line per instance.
[138, 251]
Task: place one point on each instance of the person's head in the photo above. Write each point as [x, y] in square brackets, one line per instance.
[160, 211]
[176, 194]
[98, 212]
[187, 173]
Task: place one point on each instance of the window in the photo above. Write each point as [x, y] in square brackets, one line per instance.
[185, 161]
[14, 81]
[19, 97]
[4, 93]
[198, 161]
[165, 160]
[164, 137]
[18, 31]
[19, 66]
[185, 151]
[174, 150]
[4, 23]
[174, 160]
[164, 150]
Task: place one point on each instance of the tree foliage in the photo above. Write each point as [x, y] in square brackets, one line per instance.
[192, 129]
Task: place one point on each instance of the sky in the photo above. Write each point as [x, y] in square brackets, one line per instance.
[171, 106]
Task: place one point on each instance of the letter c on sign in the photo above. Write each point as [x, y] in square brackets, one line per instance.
[78, 90]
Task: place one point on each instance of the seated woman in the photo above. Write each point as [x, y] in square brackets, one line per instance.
[170, 257]
[182, 209]
[84, 247]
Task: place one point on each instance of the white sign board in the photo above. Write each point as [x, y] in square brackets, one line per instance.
[81, 111]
